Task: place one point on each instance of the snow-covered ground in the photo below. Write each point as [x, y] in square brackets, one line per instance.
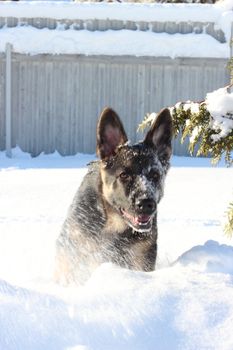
[187, 303]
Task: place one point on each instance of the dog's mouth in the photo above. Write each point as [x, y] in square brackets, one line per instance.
[139, 222]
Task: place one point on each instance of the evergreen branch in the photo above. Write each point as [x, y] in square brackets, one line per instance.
[206, 138]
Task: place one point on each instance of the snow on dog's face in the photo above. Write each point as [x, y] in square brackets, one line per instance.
[133, 176]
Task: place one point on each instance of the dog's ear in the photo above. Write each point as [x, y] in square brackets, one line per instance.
[160, 134]
[110, 133]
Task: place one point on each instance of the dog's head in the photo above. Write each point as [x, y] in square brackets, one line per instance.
[133, 176]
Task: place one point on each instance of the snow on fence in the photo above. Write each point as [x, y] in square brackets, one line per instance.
[103, 25]
[52, 101]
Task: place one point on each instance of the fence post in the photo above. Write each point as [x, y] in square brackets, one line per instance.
[8, 100]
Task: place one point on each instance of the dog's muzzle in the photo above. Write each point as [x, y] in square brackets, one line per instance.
[142, 219]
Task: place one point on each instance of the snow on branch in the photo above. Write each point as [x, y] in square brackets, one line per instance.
[208, 124]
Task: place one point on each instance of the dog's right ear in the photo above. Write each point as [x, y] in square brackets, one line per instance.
[160, 134]
[110, 133]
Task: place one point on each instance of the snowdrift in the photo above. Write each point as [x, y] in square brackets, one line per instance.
[186, 306]
[187, 303]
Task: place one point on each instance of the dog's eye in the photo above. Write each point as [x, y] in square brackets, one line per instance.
[124, 176]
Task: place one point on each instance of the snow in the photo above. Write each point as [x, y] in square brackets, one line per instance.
[28, 39]
[123, 42]
[226, 5]
[219, 102]
[115, 11]
[220, 105]
[187, 303]
[193, 106]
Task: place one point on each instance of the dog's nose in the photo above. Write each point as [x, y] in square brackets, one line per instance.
[146, 206]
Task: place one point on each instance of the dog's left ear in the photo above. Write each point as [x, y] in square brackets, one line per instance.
[160, 134]
[110, 133]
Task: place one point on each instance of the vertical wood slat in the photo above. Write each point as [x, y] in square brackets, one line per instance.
[8, 100]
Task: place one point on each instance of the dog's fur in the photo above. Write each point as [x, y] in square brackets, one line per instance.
[113, 217]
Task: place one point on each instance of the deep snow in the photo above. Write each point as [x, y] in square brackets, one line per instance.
[187, 303]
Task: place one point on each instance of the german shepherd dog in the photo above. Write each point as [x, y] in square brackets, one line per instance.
[113, 217]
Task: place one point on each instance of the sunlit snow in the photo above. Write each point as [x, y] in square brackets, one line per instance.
[187, 303]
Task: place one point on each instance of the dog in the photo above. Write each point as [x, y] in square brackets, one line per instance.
[113, 217]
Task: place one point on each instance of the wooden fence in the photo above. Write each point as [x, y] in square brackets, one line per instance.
[53, 101]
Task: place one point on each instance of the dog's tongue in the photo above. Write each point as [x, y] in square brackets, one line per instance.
[142, 219]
